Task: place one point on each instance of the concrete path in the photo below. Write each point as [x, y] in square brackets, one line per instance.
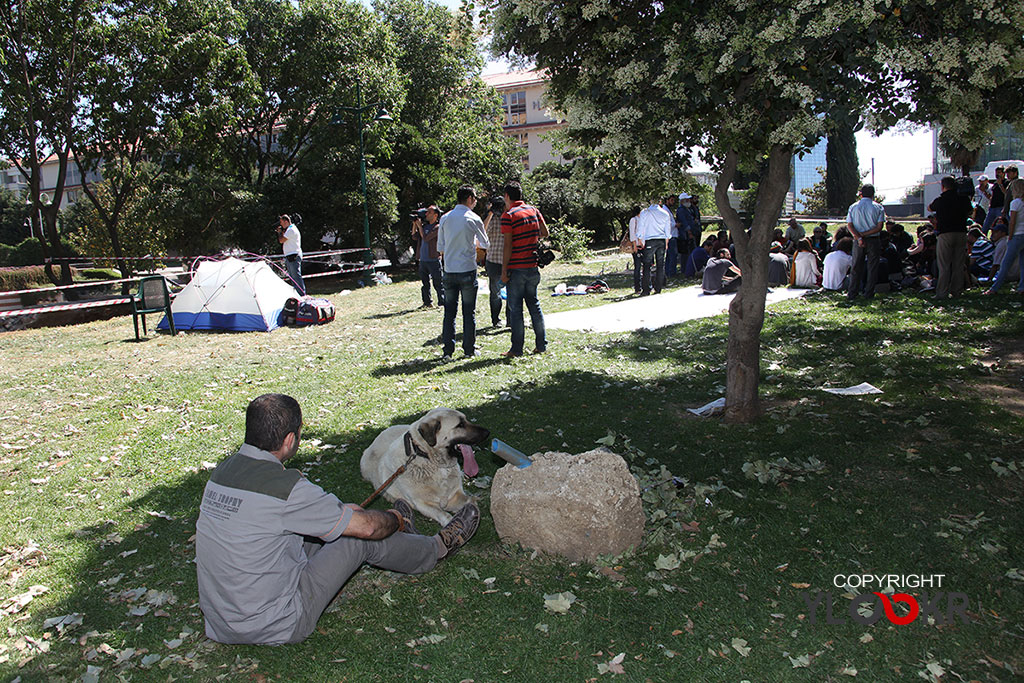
[652, 312]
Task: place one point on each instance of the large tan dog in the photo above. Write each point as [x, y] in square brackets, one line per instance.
[432, 481]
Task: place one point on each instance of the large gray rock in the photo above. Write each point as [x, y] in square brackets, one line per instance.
[577, 506]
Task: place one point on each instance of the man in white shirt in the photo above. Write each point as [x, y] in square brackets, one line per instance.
[459, 233]
[654, 227]
[291, 241]
[836, 267]
[865, 220]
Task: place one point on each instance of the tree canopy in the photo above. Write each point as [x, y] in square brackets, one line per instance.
[751, 84]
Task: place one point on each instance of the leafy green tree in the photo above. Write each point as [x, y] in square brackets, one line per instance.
[752, 84]
[450, 131]
[45, 48]
[915, 193]
[14, 214]
[157, 84]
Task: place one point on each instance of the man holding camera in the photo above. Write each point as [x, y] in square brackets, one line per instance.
[424, 232]
[288, 235]
[523, 227]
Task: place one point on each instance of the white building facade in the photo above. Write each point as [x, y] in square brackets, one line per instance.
[527, 118]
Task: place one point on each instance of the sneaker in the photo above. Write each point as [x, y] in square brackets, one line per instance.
[457, 532]
[408, 521]
[511, 354]
[427, 306]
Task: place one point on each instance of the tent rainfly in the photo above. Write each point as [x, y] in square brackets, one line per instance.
[231, 295]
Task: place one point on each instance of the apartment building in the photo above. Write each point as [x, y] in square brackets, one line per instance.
[527, 117]
[12, 179]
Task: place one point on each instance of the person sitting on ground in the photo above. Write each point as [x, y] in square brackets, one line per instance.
[778, 266]
[794, 233]
[778, 236]
[841, 232]
[981, 253]
[721, 241]
[821, 243]
[273, 548]
[900, 239]
[1000, 240]
[888, 259]
[805, 273]
[836, 270]
[721, 276]
[924, 259]
[698, 258]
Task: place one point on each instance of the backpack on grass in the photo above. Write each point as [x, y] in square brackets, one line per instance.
[313, 311]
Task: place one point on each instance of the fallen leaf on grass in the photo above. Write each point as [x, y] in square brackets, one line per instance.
[559, 603]
[614, 665]
[150, 660]
[388, 600]
[92, 674]
[173, 644]
[800, 662]
[740, 646]
[63, 622]
[849, 671]
[866, 638]
[432, 639]
[127, 553]
[667, 562]
[800, 585]
[543, 628]
[18, 602]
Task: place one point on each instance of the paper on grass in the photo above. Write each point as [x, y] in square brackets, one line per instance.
[707, 410]
[859, 390]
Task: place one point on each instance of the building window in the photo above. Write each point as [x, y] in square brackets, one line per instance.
[514, 104]
[524, 141]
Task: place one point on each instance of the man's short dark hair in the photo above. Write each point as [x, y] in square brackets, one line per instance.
[868, 191]
[464, 193]
[975, 233]
[514, 191]
[845, 245]
[948, 183]
[269, 419]
[724, 253]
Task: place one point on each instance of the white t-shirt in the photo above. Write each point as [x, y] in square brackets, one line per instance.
[1018, 206]
[805, 265]
[837, 266]
[291, 244]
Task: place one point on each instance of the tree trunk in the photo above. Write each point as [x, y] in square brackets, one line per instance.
[746, 312]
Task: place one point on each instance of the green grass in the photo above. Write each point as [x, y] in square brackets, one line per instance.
[104, 439]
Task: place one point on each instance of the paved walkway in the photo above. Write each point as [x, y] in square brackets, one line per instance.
[652, 312]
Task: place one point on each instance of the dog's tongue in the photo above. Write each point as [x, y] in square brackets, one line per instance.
[469, 465]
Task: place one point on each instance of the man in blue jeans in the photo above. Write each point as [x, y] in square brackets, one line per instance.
[523, 227]
[459, 233]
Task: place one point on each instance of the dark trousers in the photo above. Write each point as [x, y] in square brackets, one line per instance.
[950, 256]
[494, 284]
[431, 271]
[459, 286]
[638, 262]
[654, 255]
[870, 253]
[522, 290]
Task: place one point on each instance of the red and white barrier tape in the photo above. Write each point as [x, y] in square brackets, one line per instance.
[63, 307]
[185, 259]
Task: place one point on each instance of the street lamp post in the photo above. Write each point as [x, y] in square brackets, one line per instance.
[382, 115]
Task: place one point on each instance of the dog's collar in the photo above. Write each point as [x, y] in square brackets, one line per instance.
[412, 449]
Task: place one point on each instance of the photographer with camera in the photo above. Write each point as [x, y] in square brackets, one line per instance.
[288, 235]
[424, 232]
[495, 257]
[524, 228]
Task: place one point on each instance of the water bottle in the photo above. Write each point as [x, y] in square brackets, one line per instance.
[509, 454]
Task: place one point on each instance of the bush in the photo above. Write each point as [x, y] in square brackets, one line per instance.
[6, 250]
[28, 253]
[29, 277]
[571, 241]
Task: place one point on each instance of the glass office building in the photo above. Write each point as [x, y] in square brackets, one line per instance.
[807, 172]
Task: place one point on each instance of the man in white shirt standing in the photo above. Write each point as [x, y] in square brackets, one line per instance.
[865, 221]
[459, 233]
[654, 227]
[288, 235]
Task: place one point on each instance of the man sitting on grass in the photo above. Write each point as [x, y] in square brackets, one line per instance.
[273, 549]
[720, 275]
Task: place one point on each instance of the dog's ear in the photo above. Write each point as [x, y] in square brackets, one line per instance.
[428, 430]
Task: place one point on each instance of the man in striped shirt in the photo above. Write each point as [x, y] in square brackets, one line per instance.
[523, 227]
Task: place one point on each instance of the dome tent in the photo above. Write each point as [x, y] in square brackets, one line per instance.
[231, 295]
